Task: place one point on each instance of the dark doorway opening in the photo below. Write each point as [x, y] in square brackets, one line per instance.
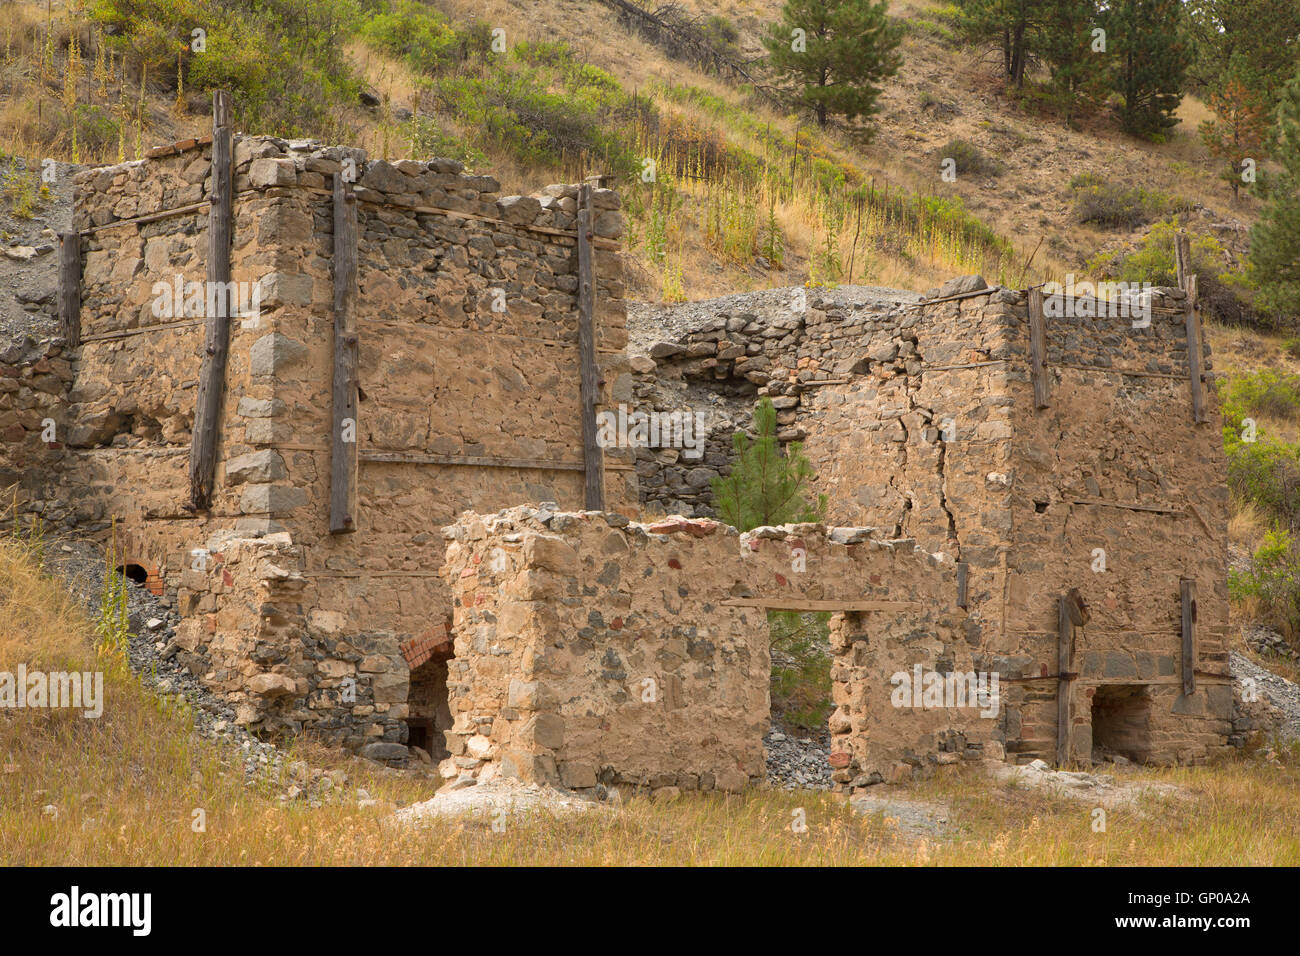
[429, 716]
[1121, 722]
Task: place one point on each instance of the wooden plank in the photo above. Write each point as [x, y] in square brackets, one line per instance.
[1130, 506]
[1182, 258]
[70, 287]
[1193, 321]
[571, 235]
[797, 604]
[1187, 587]
[950, 368]
[442, 331]
[963, 573]
[1037, 347]
[954, 298]
[1123, 371]
[346, 385]
[157, 327]
[403, 458]
[589, 390]
[149, 217]
[1064, 647]
[216, 345]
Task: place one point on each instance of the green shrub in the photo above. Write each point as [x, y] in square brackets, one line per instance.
[1265, 471]
[281, 60]
[1223, 289]
[970, 160]
[1112, 205]
[721, 33]
[1263, 392]
[416, 33]
[1273, 580]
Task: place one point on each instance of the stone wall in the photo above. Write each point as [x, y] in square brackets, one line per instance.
[469, 398]
[919, 420]
[593, 650]
[918, 416]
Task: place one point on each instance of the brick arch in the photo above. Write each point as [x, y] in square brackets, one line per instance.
[131, 550]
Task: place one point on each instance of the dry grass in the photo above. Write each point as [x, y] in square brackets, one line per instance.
[126, 787]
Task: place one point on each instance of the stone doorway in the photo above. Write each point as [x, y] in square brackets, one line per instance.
[429, 717]
[1121, 722]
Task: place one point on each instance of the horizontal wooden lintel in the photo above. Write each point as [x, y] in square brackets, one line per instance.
[794, 604]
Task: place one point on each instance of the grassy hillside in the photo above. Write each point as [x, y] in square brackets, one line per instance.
[745, 193]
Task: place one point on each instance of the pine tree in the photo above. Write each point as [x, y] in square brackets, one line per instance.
[835, 52]
[766, 487]
[1152, 54]
[1015, 26]
[1255, 41]
[1240, 130]
[1275, 239]
[1077, 70]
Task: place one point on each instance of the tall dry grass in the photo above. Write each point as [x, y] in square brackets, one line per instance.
[124, 790]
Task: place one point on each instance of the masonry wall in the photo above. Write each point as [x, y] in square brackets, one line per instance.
[919, 420]
[593, 650]
[467, 319]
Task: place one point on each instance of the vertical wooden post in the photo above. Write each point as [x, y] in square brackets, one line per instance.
[1193, 322]
[1070, 613]
[962, 573]
[592, 456]
[1037, 347]
[70, 287]
[1182, 258]
[343, 433]
[1064, 638]
[1188, 589]
[216, 338]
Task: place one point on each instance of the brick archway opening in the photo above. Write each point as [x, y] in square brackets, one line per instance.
[137, 574]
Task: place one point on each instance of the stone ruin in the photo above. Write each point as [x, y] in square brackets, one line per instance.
[1042, 501]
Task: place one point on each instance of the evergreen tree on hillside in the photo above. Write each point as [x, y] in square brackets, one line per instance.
[1256, 42]
[1077, 70]
[835, 52]
[764, 486]
[1150, 55]
[1275, 239]
[1240, 128]
[1016, 27]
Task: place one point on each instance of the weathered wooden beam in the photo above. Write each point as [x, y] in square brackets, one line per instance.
[592, 456]
[1038, 347]
[1193, 322]
[1130, 506]
[1065, 617]
[1182, 258]
[216, 340]
[346, 385]
[418, 458]
[70, 287]
[1187, 587]
[798, 604]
